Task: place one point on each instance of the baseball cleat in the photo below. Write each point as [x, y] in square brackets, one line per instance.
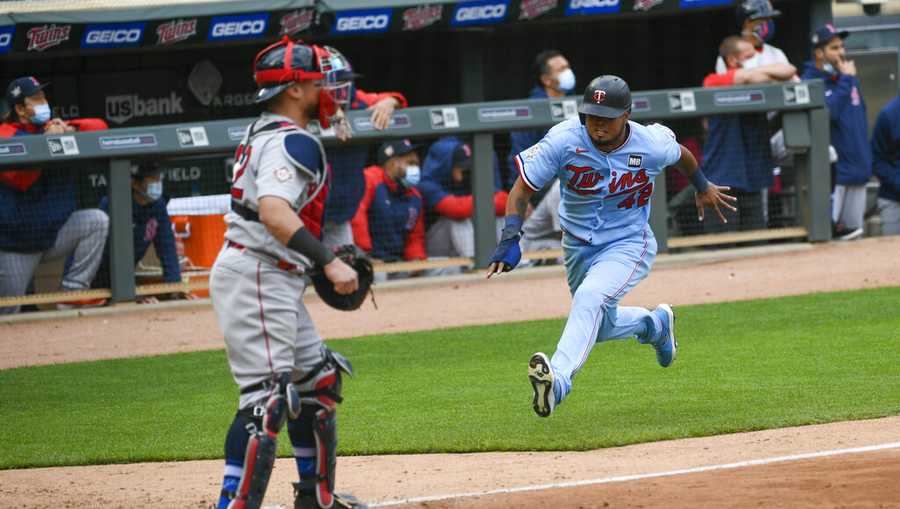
[666, 347]
[541, 376]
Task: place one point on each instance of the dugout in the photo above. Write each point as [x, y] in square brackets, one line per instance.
[176, 63]
[169, 64]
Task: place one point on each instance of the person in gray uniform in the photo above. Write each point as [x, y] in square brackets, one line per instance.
[276, 356]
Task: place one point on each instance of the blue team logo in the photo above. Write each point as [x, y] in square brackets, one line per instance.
[481, 12]
[6, 38]
[582, 7]
[362, 21]
[693, 4]
[113, 35]
[244, 26]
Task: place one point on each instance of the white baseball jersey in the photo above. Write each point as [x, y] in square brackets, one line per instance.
[769, 55]
[276, 158]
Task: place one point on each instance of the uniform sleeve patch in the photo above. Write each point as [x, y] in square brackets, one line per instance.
[283, 174]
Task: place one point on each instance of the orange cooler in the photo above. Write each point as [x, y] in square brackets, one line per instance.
[199, 223]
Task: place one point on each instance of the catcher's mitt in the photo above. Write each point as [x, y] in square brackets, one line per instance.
[360, 262]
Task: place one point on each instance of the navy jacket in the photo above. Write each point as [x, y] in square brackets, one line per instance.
[849, 125]
[150, 225]
[886, 150]
[521, 140]
[390, 223]
[347, 184]
[31, 219]
[737, 152]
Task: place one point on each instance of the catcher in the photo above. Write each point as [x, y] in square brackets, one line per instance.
[277, 357]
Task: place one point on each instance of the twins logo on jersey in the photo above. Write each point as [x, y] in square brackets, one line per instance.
[584, 180]
[635, 187]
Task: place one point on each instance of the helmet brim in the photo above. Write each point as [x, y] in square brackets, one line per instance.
[598, 110]
[266, 93]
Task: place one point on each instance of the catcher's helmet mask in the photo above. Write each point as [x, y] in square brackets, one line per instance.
[280, 65]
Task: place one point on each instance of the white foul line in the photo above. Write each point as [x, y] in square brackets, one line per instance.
[635, 477]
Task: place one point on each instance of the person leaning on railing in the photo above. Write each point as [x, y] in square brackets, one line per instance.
[38, 216]
[737, 152]
[886, 165]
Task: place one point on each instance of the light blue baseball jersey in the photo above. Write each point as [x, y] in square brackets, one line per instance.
[605, 196]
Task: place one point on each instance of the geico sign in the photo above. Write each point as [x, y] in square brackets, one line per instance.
[481, 12]
[113, 36]
[363, 23]
[232, 28]
[586, 4]
[5, 39]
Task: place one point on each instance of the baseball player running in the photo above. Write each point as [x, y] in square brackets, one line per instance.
[606, 165]
[277, 357]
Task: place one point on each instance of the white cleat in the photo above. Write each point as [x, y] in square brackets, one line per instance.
[540, 374]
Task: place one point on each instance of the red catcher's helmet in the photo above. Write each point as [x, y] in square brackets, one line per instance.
[286, 62]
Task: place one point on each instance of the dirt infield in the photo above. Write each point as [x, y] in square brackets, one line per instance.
[862, 479]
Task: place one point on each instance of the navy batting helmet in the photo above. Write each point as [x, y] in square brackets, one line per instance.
[755, 9]
[606, 96]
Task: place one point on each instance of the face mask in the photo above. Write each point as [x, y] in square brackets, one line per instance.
[765, 31]
[154, 190]
[827, 67]
[41, 114]
[751, 63]
[413, 175]
[566, 80]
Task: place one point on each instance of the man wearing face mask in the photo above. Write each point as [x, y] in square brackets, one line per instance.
[150, 225]
[447, 190]
[347, 162]
[553, 78]
[737, 153]
[849, 129]
[756, 19]
[390, 223]
[38, 216]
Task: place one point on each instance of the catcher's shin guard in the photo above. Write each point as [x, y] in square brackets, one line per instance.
[260, 456]
[321, 389]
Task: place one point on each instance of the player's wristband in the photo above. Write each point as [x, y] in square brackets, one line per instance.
[512, 226]
[304, 243]
[698, 180]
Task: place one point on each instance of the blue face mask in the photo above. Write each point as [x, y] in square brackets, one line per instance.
[154, 190]
[765, 31]
[41, 114]
[413, 175]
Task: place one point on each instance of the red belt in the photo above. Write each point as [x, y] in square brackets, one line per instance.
[281, 264]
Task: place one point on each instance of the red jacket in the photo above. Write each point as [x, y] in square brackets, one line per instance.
[390, 220]
[22, 180]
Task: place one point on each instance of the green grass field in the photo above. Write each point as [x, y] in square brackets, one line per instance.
[741, 366]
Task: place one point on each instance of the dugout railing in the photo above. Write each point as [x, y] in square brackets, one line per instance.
[801, 105]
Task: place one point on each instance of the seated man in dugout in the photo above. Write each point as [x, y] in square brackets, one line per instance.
[446, 187]
[390, 221]
[150, 225]
[39, 220]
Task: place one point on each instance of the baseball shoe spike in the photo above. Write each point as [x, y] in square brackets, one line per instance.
[540, 374]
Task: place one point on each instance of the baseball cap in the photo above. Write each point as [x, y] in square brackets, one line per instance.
[462, 156]
[825, 34]
[21, 88]
[394, 148]
[145, 169]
